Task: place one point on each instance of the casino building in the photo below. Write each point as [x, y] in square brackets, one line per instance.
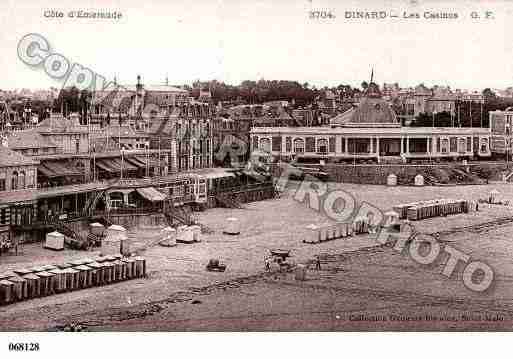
[372, 131]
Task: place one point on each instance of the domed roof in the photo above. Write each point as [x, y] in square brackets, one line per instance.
[374, 110]
[373, 90]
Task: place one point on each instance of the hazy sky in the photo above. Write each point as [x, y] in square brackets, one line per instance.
[232, 40]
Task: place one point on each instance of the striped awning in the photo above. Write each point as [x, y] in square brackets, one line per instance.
[151, 194]
[65, 170]
[151, 161]
[56, 169]
[136, 162]
[104, 165]
[114, 165]
[127, 166]
[46, 172]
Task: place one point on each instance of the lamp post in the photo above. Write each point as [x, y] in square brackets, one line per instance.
[122, 162]
[508, 144]
[147, 145]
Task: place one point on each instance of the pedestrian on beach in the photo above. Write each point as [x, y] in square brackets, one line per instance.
[267, 264]
[318, 263]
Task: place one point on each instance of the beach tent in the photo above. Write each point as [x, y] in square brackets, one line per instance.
[196, 232]
[54, 240]
[115, 235]
[391, 217]
[494, 196]
[392, 180]
[168, 237]
[419, 180]
[232, 226]
[312, 234]
[97, 228]
[185, 235]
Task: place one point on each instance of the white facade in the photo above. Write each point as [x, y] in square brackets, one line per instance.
[406, 142]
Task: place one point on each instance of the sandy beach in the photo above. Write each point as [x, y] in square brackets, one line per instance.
[365, 286]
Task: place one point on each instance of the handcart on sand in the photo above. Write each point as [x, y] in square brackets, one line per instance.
[281, 257]
[215, 266]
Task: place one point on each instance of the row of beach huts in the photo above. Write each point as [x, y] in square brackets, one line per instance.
[28, 283]
[392, 219]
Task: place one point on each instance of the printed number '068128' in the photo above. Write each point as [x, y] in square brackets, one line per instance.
[23, 347]
[321, 14]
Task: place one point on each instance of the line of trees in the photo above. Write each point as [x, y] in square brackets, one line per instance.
[253, 92]
[73, 100]
[37, 107]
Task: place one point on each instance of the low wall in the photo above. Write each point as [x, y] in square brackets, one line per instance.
[130, 221]
[245, 196]
[378, 173]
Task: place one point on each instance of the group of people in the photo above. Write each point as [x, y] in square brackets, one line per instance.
[6, 243]
[268, 260]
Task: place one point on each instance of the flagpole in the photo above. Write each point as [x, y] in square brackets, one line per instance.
[470, 111]
[122, 162]
[147, 160]
[459, 120]
[481, 116]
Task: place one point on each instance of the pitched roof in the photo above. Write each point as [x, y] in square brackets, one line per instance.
[343, 117]
[57, 123]
[28, 139]
[373, 110]
[9, 157]
[124, 131]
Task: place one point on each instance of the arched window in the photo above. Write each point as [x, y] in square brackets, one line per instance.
[322, 145]
[21, 180]
[299, 145]
[14, 180]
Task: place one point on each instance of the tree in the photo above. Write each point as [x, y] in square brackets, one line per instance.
[365, 85]
[488, 94]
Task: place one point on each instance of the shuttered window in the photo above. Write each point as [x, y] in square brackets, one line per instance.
[276, 144]
[332, 144]
[310, 144]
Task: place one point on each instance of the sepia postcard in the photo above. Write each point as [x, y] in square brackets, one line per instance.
[255, 166]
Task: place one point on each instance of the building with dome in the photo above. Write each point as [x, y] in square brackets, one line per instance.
[372, 131]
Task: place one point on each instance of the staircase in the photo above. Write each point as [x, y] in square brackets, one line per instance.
[72, 238]
[507, 177]
[184, 217]
[90, 204]
[179, 214]
[105, 221]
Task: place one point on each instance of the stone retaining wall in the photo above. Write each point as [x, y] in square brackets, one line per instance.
[377, 174]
